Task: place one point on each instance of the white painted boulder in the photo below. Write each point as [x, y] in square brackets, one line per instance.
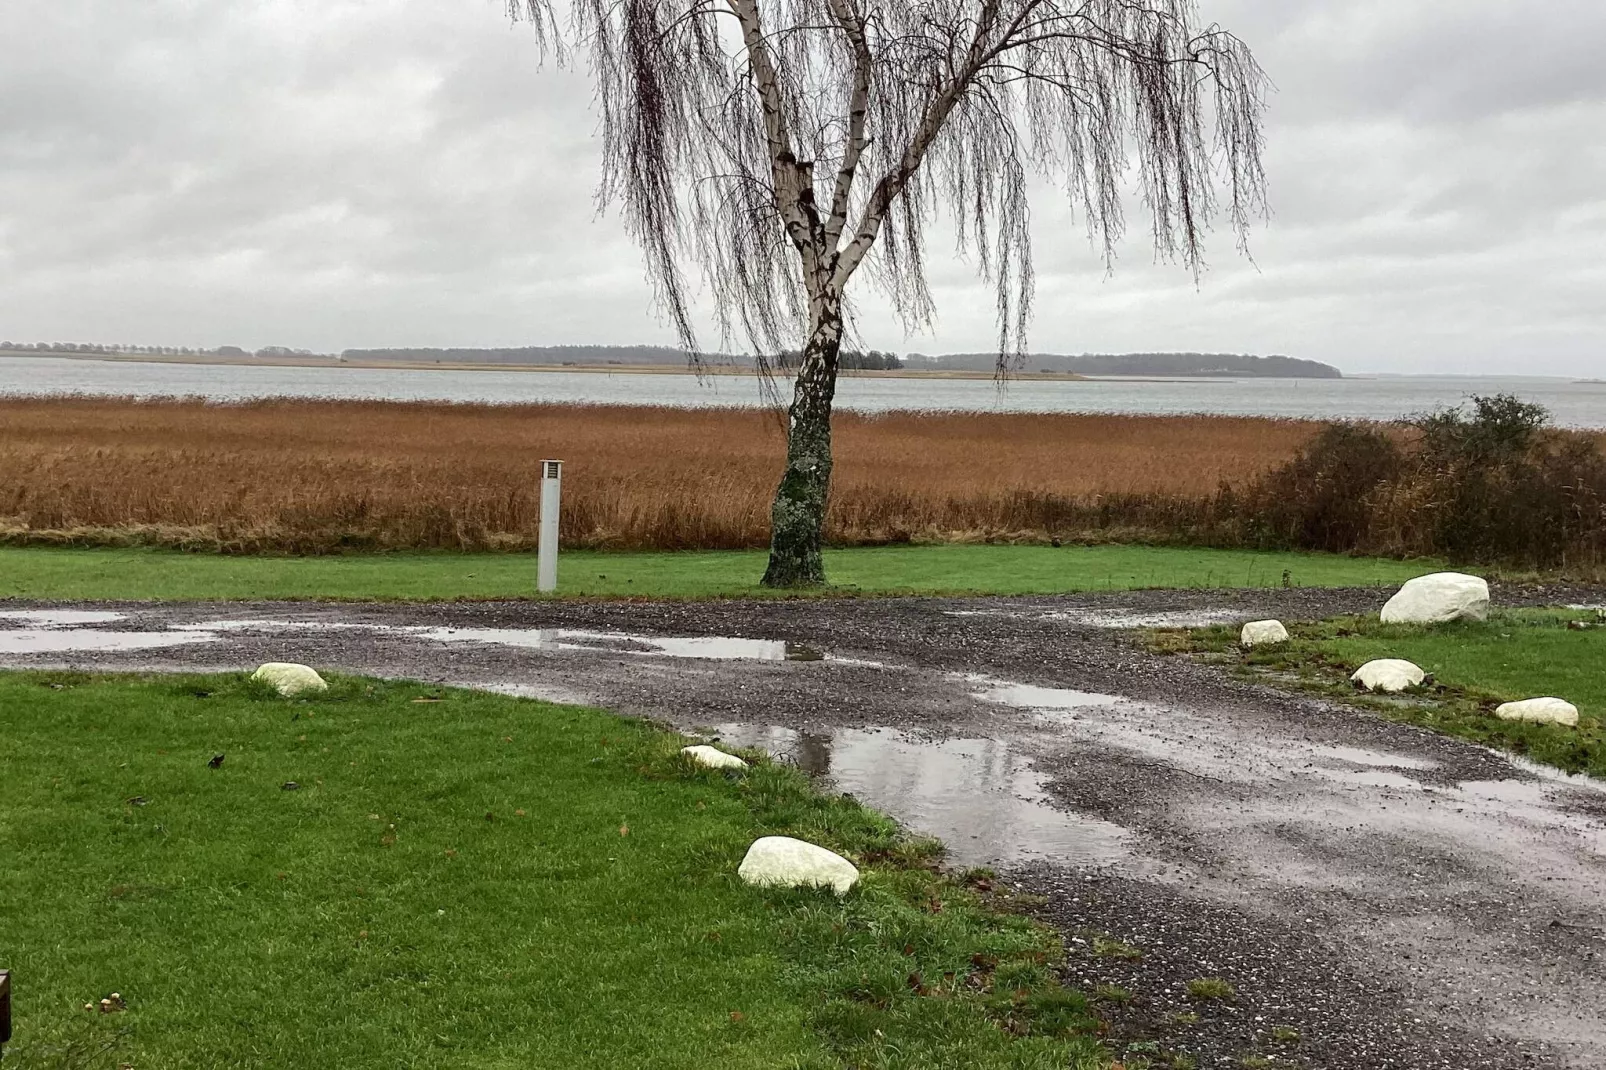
[713, 758]
[1389, 675]
[1263, 633]
[780, 861]
[1540, 711]
[1441, 597]
[289, 679]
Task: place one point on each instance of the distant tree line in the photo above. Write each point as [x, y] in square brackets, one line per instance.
[848, 360]
[1155, 364]
[113, 348]
[528, 355]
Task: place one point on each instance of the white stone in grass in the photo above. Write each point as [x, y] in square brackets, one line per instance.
[1540, 711]
[290, 679]
[713, 758]
[780, 861]
[1389, 675]
[1263, 633]
[1436, 599]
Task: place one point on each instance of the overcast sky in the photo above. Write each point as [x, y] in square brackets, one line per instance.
[334, 173]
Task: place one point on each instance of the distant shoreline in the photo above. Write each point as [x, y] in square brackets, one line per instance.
[312, 361]
[592, 369]
[1362, 398]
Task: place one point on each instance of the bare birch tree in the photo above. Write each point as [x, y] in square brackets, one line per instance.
[773, 150]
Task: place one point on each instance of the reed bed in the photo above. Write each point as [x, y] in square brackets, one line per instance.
[325, 476]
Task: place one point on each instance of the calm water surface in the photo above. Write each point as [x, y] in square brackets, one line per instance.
[1573, 404]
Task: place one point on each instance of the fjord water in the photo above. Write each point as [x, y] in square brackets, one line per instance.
[1573, 404]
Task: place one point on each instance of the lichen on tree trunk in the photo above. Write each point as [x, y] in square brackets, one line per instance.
[797, 517]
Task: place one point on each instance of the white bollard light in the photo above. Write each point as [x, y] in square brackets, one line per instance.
[547, 548]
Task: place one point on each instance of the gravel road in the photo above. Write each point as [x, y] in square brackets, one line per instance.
[1391, 898]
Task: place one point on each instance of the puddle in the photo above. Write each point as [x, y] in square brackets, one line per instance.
[1550, 774]
[1365, 791]
[1510, 791]
[560, 695]
[51, 641]
[981, 797]
[707, 648]
[1032, 697]
[1190, 742]
[1536, 807]
[1375, 759]
[1118, 617]
[60, 618]
[283, 626]
[1129, 618]
[1372, 778]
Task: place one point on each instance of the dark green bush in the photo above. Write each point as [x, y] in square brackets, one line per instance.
[1318, 500]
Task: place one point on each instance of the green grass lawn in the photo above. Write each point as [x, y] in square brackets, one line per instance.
[465, 880]
[1517, 654]
[50, 573]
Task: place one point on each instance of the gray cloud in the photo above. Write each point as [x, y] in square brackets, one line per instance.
[330, 173]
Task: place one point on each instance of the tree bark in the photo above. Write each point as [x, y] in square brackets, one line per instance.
[797, 532]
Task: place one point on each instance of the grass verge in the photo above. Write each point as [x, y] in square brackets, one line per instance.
[463, 879]
[1517, 654]
[137, 574]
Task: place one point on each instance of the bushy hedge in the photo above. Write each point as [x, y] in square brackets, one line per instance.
[1491, 482]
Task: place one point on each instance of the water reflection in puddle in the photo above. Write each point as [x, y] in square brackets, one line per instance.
[60, 618]
[1551, 775]
[1511, 791]
[711, 648]
[1032, 697]
[52, 641]
[1537, 807]
[282, 626]
[979, 796]
[1184, 740]
[1115, 617]
[1373, 758]
[1371, 778]
[1128, 618]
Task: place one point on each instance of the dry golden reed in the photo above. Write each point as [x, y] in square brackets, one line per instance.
[322, 476]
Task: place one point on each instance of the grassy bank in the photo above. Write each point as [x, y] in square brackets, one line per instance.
[461, 879]
[40, 573]
[1515, 655]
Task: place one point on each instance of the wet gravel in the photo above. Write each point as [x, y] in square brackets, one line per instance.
[1396, 898]
[1295, 999]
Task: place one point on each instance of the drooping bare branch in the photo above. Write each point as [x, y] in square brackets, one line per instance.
[774, 149]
